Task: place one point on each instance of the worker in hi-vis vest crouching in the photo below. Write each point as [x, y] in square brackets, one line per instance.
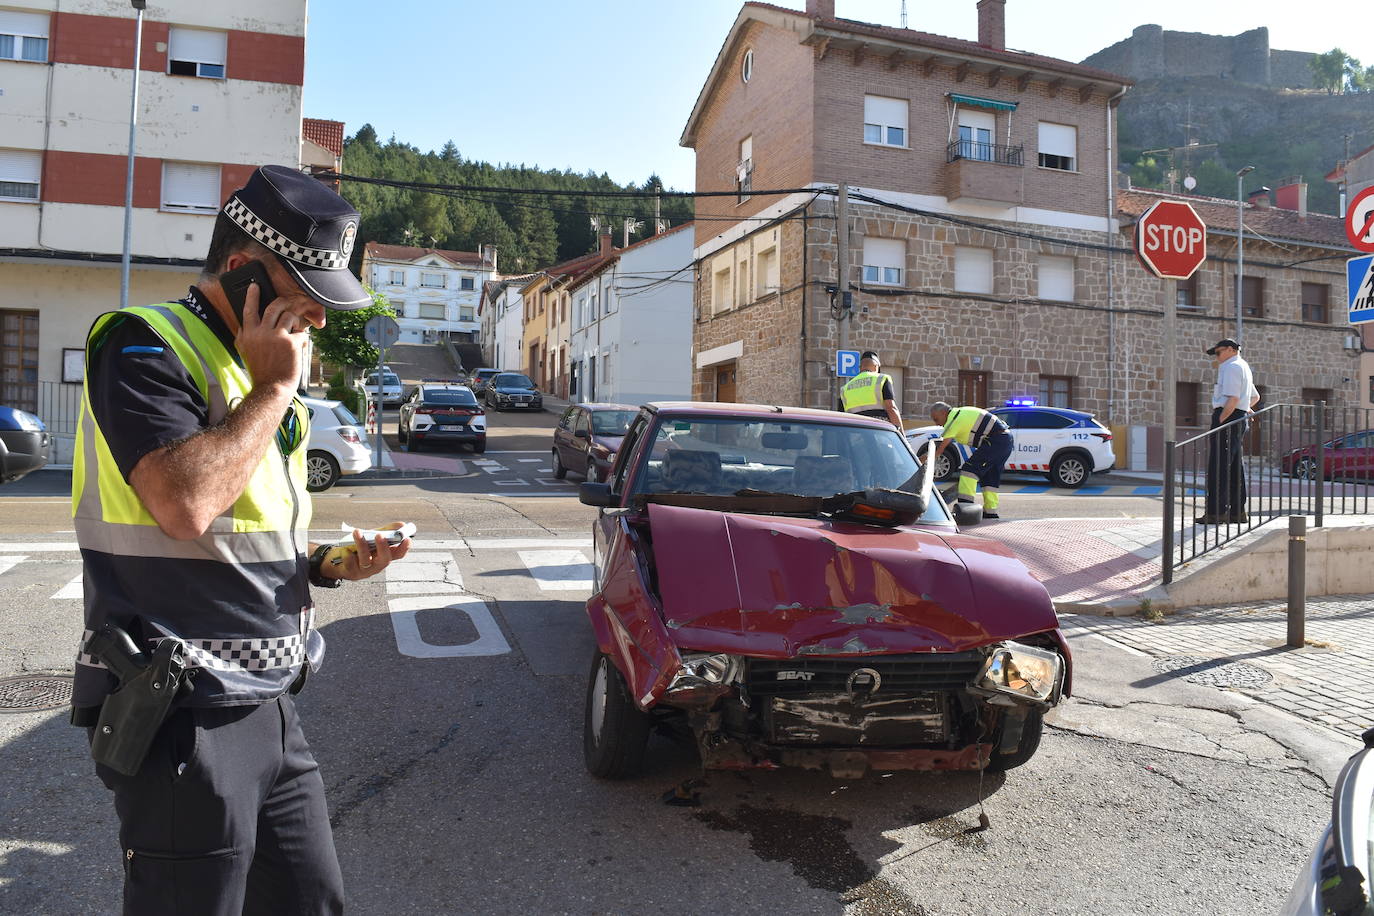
[991, 442]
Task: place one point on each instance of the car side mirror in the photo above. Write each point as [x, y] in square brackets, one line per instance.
[582, 434]
[966, 514]
[596, 494]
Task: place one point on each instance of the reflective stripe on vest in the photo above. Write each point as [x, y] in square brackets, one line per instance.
[249, 556]
[864, 392]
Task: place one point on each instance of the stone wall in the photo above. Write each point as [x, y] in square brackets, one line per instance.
[1153, 53]
[1113, 356]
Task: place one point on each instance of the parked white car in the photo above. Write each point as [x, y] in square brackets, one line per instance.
[393, 392]
[337, 445]
[1337, 876]
[1067, 446]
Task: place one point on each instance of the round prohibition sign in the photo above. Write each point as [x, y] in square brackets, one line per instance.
[1359, 221]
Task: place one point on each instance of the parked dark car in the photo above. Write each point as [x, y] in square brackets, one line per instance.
[25, 444]
[587, 438]
[442, 412]
[786, 586]
[480, 379]
[511, 391]
[1349, 457]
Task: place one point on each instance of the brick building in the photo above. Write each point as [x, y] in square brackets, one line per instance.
[988, 258]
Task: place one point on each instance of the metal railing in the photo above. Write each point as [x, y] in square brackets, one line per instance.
[57, 404]
[985, 152]
[1293, 459]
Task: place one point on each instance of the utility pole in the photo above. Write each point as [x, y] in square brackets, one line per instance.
[842, 266]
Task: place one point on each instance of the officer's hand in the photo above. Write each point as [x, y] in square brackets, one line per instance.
[362, 560]
[270, 340]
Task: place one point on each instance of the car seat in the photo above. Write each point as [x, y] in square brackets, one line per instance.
[692, 471]
[822, 475]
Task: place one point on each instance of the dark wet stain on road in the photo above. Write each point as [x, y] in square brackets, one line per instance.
[816, 847]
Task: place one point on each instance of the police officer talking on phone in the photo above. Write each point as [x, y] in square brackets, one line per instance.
[188, 492]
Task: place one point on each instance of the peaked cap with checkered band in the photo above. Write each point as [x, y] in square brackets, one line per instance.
[308, 226]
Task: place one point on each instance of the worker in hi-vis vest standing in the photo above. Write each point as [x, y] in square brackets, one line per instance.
[991, 442]
[869, 393]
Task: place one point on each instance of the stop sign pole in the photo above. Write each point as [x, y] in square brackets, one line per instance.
[1171, 241]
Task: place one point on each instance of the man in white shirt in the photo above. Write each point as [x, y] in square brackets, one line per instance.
[1233, 399]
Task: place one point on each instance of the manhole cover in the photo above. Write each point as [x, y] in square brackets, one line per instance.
[34, 692]
[1214, 672]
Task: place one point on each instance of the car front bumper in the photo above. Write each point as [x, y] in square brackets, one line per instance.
[22, 451]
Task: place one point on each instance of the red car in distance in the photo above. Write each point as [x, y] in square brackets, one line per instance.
[785, 585]
[1349, 457]
[587, 438]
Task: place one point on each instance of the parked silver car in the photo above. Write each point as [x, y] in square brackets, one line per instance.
[1336, 879]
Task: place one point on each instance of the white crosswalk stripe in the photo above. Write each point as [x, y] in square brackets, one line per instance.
[71, 590]
[8, 563]
[558, 570]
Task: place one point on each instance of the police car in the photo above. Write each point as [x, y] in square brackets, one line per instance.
[1065, 445]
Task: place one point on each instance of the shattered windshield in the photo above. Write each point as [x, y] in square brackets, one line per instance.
[744, 456]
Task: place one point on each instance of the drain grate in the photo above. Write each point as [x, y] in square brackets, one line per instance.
[35, 692]
[1214, 672]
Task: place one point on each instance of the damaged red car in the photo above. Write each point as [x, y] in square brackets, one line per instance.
[786, 586]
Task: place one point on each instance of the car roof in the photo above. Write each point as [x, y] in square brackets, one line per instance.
[1062, 411]
[762, 411]
[318, 402]
[605, 405]
[444, 386]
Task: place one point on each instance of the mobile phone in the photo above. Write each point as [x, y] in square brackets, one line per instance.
[235, 285]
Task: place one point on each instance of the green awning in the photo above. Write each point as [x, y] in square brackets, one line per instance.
[977, 102]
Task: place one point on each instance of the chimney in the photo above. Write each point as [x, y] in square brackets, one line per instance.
[820, 9]
[992, 24]
[606, 247]
[1259, 198]
[489, 256]
[1291, 194]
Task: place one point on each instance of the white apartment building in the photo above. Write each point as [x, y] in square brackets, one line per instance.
[219, 95]
[631, 324]
[435, 292]
[503, 328]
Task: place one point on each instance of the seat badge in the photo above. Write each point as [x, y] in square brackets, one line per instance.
[863, 683]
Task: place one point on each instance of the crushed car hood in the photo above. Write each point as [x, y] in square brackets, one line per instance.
[780, 587]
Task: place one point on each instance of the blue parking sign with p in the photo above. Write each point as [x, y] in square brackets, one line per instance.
[846, 363]
[1359, 273]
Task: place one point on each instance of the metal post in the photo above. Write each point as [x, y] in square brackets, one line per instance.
[1297, 581]
[381, 408]
[126, 256]
[1167, 558]
[1319, 484]
[842, 281]
[1170, 392]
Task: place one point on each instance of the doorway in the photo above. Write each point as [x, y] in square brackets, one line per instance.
[725, 383]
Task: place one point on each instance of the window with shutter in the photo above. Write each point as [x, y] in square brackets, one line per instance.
[1058, 146]
[885, 120]
[1056, 278]
[884, 261]
[196, 52]
[190, 187]
[20, 170]
[23, 36]
[973, 270]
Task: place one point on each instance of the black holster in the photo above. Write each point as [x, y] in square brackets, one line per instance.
[133, 713]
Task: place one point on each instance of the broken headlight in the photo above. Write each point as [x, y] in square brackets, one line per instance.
[1018, 670]
[704, 677]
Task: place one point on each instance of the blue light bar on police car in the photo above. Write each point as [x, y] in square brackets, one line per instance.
[1021, 402]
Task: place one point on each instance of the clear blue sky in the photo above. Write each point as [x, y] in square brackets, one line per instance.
[607, 85]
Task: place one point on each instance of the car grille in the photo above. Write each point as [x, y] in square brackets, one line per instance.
[900, 674]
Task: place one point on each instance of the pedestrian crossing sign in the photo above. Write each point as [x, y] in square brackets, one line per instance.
[1360, 286]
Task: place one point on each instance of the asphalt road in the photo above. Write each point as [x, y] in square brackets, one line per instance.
[447, 722]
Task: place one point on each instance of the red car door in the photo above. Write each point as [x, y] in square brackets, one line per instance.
[1361, 460]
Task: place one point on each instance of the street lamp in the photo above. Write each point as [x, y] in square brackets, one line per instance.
[1240, 243]
[140, 6]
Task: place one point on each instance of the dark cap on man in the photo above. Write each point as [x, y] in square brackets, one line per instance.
[310, 229]
[869, 354]
[1224, 342]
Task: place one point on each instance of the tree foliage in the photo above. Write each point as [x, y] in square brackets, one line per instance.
[531, 231]
[1337, 72]
[341, 341]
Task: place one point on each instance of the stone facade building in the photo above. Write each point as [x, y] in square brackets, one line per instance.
[1153, 53]
[990, 255]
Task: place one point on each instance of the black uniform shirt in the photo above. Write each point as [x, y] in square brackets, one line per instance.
[142, 395]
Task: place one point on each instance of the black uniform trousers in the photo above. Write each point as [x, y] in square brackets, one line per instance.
[1226, 493]
[989, 459]
[227, 816]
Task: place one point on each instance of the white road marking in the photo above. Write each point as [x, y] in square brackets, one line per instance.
[558, 570]
[529, 460]
[511, 483]
[38, 547]
[71, 590]
[8, 563]
[525, 543]
[489, 641]
[554, 482]
[428, 568]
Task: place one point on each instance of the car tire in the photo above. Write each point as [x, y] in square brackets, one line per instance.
[402, 434]
[1070, 470]
[321, 471]
[1031, 733]
[479, 448]
[615, 732]
[946, 467]
[414, 443]
[1306, 469]
[558, 470]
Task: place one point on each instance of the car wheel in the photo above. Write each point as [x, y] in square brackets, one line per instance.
[558, 470]
[944, 467]
[321, 471]
[414, 443]
[402, 434]
[1306, 469]
[1070, 470]
[1031, 732]
[614, 732]
[478, 448]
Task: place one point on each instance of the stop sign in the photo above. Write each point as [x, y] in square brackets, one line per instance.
[1171, 239]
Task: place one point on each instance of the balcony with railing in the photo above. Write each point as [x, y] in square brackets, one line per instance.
[984, 171]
